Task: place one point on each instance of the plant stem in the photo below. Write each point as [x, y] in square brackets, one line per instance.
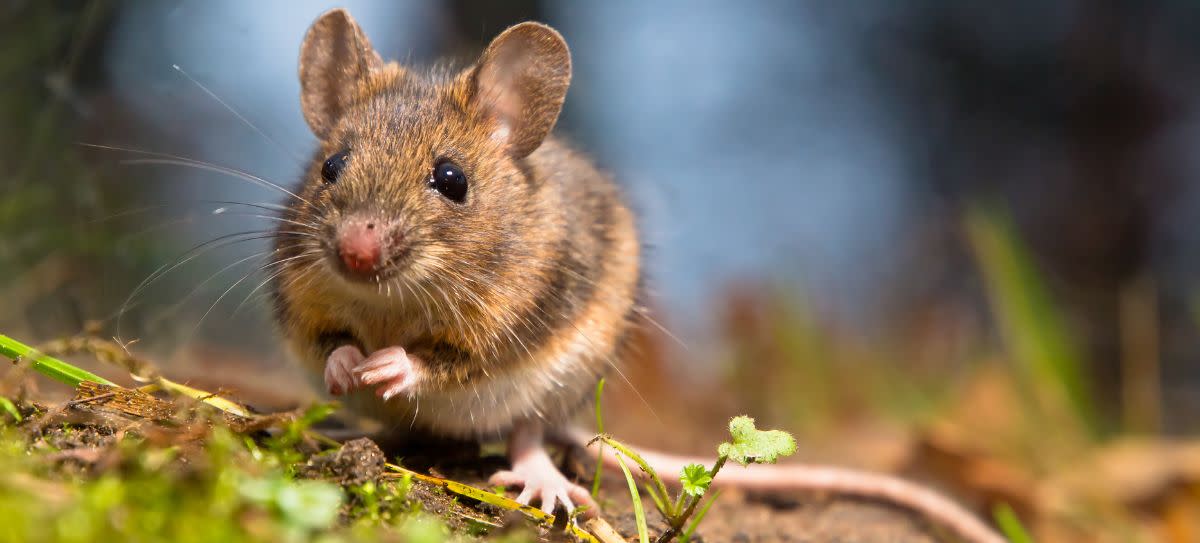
[687, 534]
[677, 522]
[630, 453]
[600, 446]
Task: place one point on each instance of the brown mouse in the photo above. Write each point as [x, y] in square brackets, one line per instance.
[448, 264]
[449, 254]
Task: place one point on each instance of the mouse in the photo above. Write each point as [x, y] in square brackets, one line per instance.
[449, 264]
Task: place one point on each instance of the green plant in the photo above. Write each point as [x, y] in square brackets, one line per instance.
[599, 429]
[1049, 364]
[1010, 524]
[9, 407]
[50, 367]
[748, 445]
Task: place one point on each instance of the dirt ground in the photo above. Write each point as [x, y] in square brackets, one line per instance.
[737, 516]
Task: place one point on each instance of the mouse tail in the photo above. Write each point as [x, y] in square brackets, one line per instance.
[931, 505]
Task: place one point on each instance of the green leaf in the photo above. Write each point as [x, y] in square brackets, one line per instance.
[424, 528]
[309, 504]
[10, 408]
[306, 504]
[753, 446]
[314, 414]
[695, 479]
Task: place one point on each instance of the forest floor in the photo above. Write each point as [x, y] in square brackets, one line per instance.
[74, 446]
[97, 464]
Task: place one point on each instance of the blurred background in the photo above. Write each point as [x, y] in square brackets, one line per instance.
[957, 241]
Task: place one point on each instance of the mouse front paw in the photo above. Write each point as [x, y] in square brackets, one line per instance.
[339, 370]
[391, 369]
[540, 479]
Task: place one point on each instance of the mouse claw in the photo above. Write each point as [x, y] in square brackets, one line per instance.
[391, 369]
[339, 370]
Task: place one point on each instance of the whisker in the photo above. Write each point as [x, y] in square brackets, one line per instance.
[162, 225]
[235, 113]
[176, 306]
[541, 315]
[166, 158]
[642, 311]
[225, 211]
[214, 168]
[187, 256]
[265, 281]
[265, 206]
[233, 286]
[126, 213]
[144, 209]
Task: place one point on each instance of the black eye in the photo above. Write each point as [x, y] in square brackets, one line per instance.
[449, 180]
[332, 169]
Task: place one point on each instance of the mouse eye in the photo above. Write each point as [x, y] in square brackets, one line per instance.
[333, 166]
[449, 180]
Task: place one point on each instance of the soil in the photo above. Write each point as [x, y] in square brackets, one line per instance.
[736, 517]
[357, 462]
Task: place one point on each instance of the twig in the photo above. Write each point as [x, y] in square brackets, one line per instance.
[89, 399]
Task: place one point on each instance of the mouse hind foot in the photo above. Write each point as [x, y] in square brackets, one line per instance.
[534, 471]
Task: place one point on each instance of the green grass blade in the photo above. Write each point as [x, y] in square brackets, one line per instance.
[641, 462]
[659, 501]
[10, 408]
[691, 529]
[639, 514]
[1032, 327]
[1010, 525]
[600, 446]
[49, 366]
[677, 507]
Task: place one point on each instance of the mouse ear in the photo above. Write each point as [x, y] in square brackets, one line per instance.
[334, 58]
[520, 82]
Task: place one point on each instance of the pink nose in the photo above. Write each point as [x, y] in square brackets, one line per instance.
[360, 247]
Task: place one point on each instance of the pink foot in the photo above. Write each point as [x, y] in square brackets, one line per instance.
[339, 370]
[391, 369]
[533, 470]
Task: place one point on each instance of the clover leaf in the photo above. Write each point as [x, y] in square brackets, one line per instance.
[695, 479]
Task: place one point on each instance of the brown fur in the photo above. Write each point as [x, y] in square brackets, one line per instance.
[517, 299]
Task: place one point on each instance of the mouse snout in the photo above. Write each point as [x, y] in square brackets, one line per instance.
[360, 245]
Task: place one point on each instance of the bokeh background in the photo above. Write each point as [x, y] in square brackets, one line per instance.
[958, 240]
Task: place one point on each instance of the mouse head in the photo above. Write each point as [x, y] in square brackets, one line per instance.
[420, 171]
